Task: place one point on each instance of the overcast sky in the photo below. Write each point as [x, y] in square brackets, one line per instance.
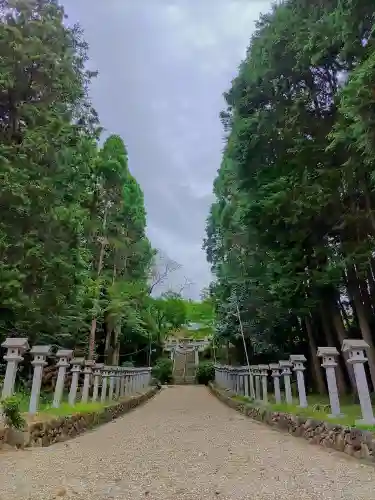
[163, 67]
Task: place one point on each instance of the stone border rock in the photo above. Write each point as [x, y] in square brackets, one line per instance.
[354, 442]
[61, 429]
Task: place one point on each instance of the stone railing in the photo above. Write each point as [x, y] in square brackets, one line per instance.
[104, 383]
[355, 442]
[252, 381]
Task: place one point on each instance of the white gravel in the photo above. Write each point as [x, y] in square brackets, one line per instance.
[184, 445]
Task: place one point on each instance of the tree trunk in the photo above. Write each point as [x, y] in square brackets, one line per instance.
[341, 335]
[344, 314]
[100, 266]
[354, 291]
[371, 282]
[316, 371]
[366, 301]
[116, 342]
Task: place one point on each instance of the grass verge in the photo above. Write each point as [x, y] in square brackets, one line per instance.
[351, 412]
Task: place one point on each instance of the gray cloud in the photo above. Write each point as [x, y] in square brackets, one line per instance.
[163, 66]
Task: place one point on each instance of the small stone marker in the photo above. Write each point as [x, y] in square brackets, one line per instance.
[76, 370]
[275, 367]
[86, 381]
[264, 374]
[251, 383]
[105, 375]
[98, 367]
[257, 381]
[286, 372]
[298, 367]
[111, 382]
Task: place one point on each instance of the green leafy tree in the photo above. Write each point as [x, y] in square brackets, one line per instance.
[290, 233]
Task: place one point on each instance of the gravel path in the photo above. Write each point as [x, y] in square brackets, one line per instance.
[183, 445]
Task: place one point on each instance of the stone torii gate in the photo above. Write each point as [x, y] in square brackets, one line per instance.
[185, 345]
[181, 351]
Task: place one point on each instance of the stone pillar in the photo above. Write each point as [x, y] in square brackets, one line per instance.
[251, 382]
[232, 379]
[298, 367]
[138, 381]
[276, 381]
[264, 374]
[131, 382]
[196, 355]
[98, 367]
[64, 356]
[329, 364]
[86, 381]
[15, 348]
[40, 353]
[105, 375]
[257, 382]
[219, 375]
[245, 377]
[76, 370]
[127, 383]
[356, 349]
[111, 382]
[118, 382]
[286, 372]
[225, 377]
[122, 382]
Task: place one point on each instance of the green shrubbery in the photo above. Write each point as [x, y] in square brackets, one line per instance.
[162, 371]
[11, 409]
[205, 372]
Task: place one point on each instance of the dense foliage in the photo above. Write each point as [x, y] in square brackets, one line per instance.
[162, 370]
[290, 235]
[73, 251]
[205, 372]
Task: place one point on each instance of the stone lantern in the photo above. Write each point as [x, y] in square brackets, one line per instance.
[97, 371]
[256, 371]
[112, 374]
[76, 370]
[118, 382]
[122, 381]
[328, 355]
[298, 361]
[251, 382]
[87, 370]
[64, 356]
[105, 375]
[15, 349]
[40, 353]
[264, 374]
[275, 367]
[356, 350]
[97, 368]
[286, 372]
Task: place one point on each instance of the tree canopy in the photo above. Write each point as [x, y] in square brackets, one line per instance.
[74, 252]
[290, 235]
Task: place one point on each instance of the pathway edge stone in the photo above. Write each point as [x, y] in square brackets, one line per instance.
[60, 429]
[355, 442]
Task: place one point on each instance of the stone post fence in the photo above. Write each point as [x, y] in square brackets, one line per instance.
[253, 383]
[104, 383]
